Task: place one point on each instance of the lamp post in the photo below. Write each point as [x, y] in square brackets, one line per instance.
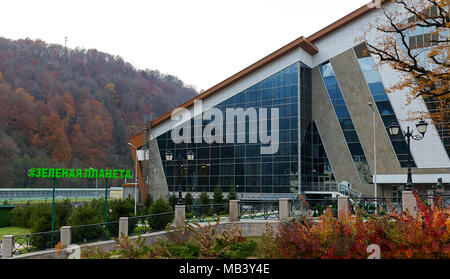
[190, 157]
[53, 211]
[394, 130]
[135, 179]
[106, 208]
[374, 152]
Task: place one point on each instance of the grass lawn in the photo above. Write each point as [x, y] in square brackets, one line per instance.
[13, 231]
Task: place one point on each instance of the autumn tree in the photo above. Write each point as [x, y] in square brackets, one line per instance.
[415, 42]
[73, 108]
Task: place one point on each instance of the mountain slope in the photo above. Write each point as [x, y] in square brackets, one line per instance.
[73, 108]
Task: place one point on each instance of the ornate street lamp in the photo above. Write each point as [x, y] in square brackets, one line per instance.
[394, 130]
[190, 157]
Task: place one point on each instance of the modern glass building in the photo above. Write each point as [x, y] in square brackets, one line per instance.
[242, 165]
[317, 90]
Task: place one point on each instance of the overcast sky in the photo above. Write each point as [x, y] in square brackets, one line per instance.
[202, 42]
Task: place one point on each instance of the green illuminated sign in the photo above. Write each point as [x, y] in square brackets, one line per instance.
[78, 173]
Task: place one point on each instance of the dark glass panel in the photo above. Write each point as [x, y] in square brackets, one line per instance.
[385, 108]
[377, 88]
[356, 149]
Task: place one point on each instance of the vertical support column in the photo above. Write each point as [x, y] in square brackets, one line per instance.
[342, 206]
[66, 236]
[409, 203]
[284, 209]
[234, 211]
[7, 246]
[123, 226]
[180, 215]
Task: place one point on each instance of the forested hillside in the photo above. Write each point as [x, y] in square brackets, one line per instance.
[73, 108]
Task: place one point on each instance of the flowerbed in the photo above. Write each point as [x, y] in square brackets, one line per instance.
[202, 243]
[399, 236]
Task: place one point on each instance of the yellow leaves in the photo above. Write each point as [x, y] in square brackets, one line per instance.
[25, 94]
[110, 87]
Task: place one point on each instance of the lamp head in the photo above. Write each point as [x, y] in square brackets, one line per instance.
[394, 129]
[169, 156]
[190, 155]
[422, 127]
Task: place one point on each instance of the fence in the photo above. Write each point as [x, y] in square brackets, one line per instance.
[313, 207]
[205, 213]
[94, 232]
[378, 206]
[234, 211]
[149, 223]
[259, 210]
[34, 242]
[441, 200]
[46, 194]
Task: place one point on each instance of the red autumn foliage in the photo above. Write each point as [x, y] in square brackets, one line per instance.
[399, 235]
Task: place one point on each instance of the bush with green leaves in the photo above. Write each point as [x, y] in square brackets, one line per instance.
[218, 196]
[41, 221]
[204, 198]
[63, 211]
[204, 210]
[188, 199]
[148, 202]
[87, 213]
[173, 200]
[232, 195]
[218, 199]
[120, 208]
[160, 221]
[20, 216]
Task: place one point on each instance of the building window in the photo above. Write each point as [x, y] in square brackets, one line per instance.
[376, 87]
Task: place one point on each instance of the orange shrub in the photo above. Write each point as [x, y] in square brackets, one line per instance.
[398, 235]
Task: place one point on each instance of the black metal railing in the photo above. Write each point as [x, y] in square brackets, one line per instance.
[94, 232]
[436, 199]
[259, 210]
[379, 206]
[26, 243]
[205, 213]
[313, 207]
[149, 223]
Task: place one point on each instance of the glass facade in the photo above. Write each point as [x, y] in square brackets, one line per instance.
[316, 168]
[242, 164]
[346, 122]
[381, 99]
